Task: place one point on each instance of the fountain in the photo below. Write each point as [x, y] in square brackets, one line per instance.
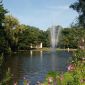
[54, 32]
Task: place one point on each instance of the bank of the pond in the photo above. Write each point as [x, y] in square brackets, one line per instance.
[49, 49]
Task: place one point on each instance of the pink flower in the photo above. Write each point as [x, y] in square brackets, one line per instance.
[70, 67]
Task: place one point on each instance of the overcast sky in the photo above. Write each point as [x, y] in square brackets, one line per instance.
[42, 13]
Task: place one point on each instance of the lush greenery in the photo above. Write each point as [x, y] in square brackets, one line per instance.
[79, 6]
[4, 75]
[15, 36]
[20, 36]
[70, 37]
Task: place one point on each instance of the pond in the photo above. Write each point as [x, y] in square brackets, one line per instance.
[34, 65]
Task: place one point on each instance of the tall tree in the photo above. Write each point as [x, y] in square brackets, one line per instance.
[3, 46]
[79, 6]
[2, 14]
[2, 37]
[11, 25]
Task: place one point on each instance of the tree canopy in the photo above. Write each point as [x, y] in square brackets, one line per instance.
[79, 6]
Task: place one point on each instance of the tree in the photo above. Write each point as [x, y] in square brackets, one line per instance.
[29, 35]
[2, 37]
[79, 6]
[3, 46]
[2, 14]
[70, 37]
[11, 25]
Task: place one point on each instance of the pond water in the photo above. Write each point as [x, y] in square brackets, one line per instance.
[34, 65]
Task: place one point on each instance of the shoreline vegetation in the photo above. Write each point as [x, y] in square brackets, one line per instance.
[49, 49]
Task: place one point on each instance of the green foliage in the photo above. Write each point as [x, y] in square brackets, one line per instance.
[4, 48]
[7, 79]
[79, 6]
[80, 53]
[70, 37]
[2, 38]
[53, 74]
[68, 79]
[2, 13]
[18, 37]
[31, 35]
[1, 59]
[11, 24]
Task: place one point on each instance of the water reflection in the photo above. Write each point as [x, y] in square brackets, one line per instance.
[41, 56]
[31, 53]
[53, 61]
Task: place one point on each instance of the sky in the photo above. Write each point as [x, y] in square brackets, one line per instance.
[42, 13]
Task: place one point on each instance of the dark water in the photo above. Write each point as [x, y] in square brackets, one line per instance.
[34, 65]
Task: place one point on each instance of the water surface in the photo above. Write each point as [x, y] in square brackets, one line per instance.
[34, 65]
